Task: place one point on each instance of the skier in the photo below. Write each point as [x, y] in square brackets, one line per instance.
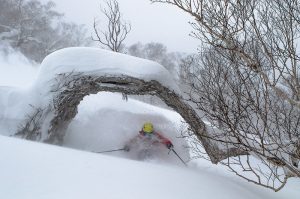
[147, 140]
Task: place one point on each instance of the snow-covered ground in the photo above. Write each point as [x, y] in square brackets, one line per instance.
[105, 121]
[39, 171]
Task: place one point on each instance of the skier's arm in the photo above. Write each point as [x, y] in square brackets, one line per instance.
[165, 141]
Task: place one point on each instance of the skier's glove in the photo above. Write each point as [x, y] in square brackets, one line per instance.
[170, 146]
[126, 148]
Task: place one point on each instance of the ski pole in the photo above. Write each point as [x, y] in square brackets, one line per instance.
[179, 157]
[111, 151]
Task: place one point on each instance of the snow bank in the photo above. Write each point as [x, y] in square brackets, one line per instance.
[38, 171]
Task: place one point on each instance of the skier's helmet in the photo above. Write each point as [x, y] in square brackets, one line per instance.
[148, 127]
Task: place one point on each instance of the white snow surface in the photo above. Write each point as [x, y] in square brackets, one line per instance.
[38, 171]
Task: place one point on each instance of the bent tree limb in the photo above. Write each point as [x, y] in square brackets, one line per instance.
[71, 88]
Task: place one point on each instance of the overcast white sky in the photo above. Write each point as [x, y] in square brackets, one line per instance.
[150, 22]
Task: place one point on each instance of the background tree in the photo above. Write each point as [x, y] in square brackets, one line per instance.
[157, 52]
[246, 83]
[36, 29]
[116, 29]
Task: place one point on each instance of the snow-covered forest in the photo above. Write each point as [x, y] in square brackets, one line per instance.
[74, 97]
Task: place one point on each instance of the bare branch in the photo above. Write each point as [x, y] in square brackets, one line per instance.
[246, 82]
[117, 30]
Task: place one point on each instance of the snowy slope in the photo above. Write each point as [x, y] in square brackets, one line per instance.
[38, 171]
